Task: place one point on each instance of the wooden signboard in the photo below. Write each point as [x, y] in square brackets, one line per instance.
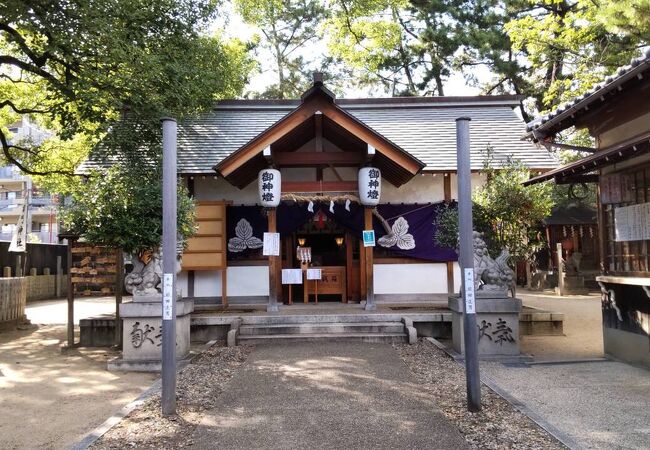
[93, 269]
[206, 250]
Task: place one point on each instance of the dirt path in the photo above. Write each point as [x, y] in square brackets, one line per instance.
[583, 328]
[49, 400]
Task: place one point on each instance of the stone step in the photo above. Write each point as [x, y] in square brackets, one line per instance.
[330, 337]
[343, 318]
[321, 328]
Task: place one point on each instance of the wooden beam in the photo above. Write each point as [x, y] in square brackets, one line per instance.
[450, 264]
[370, 291]
[318, 129]
[275, 263]
[380, 143]
[275, 132]
[319, 186]
[309, 159]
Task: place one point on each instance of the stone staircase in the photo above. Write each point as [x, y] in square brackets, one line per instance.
[304, 328]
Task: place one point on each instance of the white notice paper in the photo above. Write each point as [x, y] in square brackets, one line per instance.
[291, 276]
[168, 297]
[314, 274]
[271, 244]
[470, 302]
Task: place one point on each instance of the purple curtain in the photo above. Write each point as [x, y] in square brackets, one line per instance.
[292, 215]
[413, 229]
[412, 226]
[245, 227]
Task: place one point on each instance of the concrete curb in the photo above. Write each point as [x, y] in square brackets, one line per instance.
[518, 405]
[116, 418]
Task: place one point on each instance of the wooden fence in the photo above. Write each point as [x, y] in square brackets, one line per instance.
[13, 297]
[38, 256]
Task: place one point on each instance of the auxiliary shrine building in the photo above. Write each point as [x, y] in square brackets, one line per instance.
[319, 146]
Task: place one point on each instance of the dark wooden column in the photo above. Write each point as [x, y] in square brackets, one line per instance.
[275, 263]
[450, 264]
[370, 289]
[119, 283]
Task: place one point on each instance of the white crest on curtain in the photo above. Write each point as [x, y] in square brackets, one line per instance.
[243, 238]
[398, 236]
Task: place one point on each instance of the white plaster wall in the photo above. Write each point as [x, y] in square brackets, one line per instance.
[423, 188]
[243, 281]
[410, 278]
[478, 179]
[248, 281]
[209, 188]
[457, 277]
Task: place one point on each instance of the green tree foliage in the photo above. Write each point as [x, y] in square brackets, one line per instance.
[122, 207]
[507, 213]
[630, 17]
[287, 27]
[566, 46]
[81, 66]
[405, 46]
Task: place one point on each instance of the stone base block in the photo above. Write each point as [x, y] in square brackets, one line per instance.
[123, 365]
[573, 285]
[142, 332]
[497, 320]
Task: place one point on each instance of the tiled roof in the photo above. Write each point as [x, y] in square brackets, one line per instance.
[426, 129]
[565, 111]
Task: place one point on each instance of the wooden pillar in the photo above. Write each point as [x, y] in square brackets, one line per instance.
[70, 296]
[369, 262]
[274, 267]
[450, 264]
[560, 266]
[119, 280]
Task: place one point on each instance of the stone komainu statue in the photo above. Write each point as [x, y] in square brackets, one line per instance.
[492, 275]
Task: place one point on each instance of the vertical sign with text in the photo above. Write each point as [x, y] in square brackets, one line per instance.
[168, 297]
[468, 285]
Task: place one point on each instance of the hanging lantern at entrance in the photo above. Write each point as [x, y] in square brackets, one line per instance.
[269, 182]
[369, 186]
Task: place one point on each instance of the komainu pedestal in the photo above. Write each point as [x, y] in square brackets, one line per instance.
[497, 320]
[142, 333]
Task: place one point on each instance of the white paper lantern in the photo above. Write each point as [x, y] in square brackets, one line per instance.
[369, 186]
[269, 187]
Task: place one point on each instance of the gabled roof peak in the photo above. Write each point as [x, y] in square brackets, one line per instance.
[318, 88]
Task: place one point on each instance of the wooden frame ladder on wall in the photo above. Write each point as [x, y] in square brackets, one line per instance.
[206, 250]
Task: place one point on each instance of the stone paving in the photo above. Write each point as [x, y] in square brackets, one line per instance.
[602, 405]
[325, 396]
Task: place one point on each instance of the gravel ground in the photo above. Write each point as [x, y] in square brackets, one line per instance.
[199, 385]
[497, 426]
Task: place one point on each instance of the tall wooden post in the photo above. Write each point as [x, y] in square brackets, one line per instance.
[450, 264]
[274, 265]
[370, 288]
[119, 279]
[70, 296]
[560, 269]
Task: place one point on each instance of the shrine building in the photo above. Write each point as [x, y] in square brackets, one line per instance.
[306, 156]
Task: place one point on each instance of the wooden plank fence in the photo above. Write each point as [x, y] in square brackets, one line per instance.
[13, 297]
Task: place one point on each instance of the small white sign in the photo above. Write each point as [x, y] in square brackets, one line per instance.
[271, 244]
[168, 297]
[291, 276]
[470, 301]
[314, 274]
